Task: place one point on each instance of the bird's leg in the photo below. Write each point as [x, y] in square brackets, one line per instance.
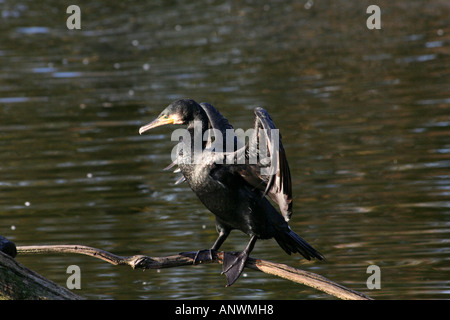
[234, 264]
[207, 254]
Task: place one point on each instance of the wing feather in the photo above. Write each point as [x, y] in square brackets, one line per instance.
[273, 177]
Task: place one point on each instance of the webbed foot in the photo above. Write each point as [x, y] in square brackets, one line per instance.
[203, 255]
[233, 265]
[199, 256]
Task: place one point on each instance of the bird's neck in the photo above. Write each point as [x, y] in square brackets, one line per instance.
[191, 140]
[197, 128]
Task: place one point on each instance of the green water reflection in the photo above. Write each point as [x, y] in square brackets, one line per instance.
[364, 116]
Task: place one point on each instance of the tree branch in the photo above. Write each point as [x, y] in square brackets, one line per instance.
[143, 262]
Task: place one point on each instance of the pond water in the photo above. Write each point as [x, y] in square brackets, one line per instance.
[364, 116]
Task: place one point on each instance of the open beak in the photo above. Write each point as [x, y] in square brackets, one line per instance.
[156, 123]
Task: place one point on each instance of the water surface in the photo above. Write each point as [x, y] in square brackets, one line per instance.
[364, 116]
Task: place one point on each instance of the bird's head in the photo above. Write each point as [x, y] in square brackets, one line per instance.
[178, 112]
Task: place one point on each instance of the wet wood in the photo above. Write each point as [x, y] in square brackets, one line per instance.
[20, 283]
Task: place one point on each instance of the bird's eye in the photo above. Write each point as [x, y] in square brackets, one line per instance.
[165, 117]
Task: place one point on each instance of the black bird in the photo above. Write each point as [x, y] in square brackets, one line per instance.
[236, 193]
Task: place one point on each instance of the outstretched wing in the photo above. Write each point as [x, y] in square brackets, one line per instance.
[219, 124]
[216, 119]
[181, 178]
[266, 165]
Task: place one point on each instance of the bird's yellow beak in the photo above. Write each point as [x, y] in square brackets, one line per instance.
[162, 120]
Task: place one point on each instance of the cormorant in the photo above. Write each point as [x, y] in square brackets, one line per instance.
[235, 192]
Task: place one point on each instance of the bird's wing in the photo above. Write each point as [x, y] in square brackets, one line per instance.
[216, 119]
[266, 165]
[219, 125]
[177, 170]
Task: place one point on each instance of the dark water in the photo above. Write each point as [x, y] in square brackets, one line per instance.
[364, 116]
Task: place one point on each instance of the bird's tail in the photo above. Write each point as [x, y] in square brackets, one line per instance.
[291, 242]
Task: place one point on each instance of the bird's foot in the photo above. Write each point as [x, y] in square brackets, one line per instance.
[203, 255]
[233, 265]
[199, 256]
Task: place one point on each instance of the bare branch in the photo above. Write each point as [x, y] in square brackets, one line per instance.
[143, 262]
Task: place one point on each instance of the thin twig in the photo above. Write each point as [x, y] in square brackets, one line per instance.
[144, 262]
